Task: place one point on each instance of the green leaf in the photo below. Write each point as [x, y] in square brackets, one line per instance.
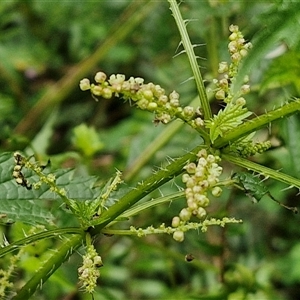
[252, 185]
[283, 71]
[86, 139]
[279, 26]
[226, 120]
[77, 188]
[29, 212]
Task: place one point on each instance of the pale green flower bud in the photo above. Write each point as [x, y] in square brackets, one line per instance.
[199, 122]
[148, 94]
[223, 83]
[233, 36]
[174, 95]
[185, 178]
[162, 100]
[197, 189]
[245, 89]
[175, 221]
[236, 57]
[220, 95]
[202, 153]
[143, 103]
[190, 168]
[107, 93]
[152, 106]
[191, 182]
[188, 111]
[98, 261]
[84, 84]
[243, 52]
[192, 204]
[96, 90]
[202, 162]
[139, 80]
[223, 67]
[174, 102]
[200, 172]
[233, 28]
[210, 158]
[100, 77]
[216, 191]
[240, 101]
[233, 47]
[185, 214]
[201, 213]
[178, 236]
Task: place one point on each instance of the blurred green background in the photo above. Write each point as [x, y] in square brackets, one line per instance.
[47, 47]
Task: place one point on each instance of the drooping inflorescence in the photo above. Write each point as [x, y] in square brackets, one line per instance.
[146, 96]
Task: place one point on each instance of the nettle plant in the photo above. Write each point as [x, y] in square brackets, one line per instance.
[226, 137]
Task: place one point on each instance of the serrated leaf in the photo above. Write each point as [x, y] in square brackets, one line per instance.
[229, 118]
[77, 188]
[283, 71]
[29, 212]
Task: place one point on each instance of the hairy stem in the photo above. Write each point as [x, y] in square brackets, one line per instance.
[258, 122]
[144, 188]
[192, 58]
[49, 267]
[250, 165]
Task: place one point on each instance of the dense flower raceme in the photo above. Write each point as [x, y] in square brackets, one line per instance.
[238, 49]
[235, 113]
[89, 271]
[199, 178]
[148, 97]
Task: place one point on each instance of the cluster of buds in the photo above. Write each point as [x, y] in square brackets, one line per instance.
[238, 48]
[21, 162]
[17, 172]
[248, 148]
[89, 271]
[148, 97]
[199, 179]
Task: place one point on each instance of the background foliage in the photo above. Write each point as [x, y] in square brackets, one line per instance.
[47, 47]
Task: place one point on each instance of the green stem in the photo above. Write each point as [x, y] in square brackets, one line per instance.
[136, 209]
[250, 165]
[49, 267]
[37, 237]
[144, 188]
[181, 24]
[258, 122]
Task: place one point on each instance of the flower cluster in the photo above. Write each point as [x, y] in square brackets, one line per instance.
[89, 271]
[238, 48]
[183, 227]
[148, 97]
[17, 172]
[235, 111]
[5, 275]
[199, 179]
[248, 148]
